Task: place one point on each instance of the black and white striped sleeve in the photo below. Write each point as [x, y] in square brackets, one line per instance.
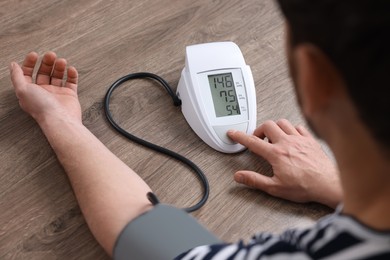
[333, 237]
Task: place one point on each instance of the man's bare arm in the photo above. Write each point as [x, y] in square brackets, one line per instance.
[109, 193]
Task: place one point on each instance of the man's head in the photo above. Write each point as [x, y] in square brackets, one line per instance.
[354, 35]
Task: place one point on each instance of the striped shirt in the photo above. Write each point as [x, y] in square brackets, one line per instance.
[336, 236]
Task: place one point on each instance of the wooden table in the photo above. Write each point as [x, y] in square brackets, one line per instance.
[39, 216]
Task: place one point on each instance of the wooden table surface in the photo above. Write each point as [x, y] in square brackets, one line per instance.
[104, 40]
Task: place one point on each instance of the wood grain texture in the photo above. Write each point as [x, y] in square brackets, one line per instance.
[39, 216]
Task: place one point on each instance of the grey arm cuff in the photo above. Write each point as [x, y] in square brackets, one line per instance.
[161, 233]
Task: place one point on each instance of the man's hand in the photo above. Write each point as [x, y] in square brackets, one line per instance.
[302, 171]
[49, 94]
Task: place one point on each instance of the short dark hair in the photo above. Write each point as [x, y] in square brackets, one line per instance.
[355, 35]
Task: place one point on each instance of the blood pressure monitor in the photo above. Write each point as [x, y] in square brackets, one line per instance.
[217, 93]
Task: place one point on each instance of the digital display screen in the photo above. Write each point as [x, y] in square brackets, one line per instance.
[224, 95]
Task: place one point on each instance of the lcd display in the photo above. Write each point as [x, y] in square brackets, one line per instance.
[224, 94]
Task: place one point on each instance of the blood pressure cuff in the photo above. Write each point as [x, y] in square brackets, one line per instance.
[164, 232]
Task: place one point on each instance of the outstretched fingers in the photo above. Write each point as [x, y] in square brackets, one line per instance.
[28, 66]
[17, 77]
[51, 71]
[46, 68]
[72, 78]
[58, 72]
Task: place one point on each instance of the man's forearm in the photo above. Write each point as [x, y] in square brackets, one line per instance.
[109, 193]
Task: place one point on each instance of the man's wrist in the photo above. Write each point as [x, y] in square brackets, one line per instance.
[55, 122]
[331, 196]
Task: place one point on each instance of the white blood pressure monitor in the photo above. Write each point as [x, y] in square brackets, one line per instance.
[217, 93]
